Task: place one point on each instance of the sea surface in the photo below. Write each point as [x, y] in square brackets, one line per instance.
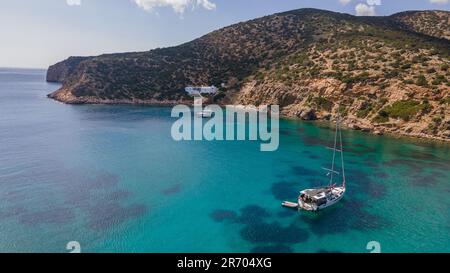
[112, 179]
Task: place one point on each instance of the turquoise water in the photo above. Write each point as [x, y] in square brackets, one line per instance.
[112, 178]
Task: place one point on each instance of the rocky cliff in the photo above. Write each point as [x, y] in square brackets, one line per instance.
[60, 71]
[384, 74]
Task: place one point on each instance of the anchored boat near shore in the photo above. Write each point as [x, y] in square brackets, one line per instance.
[205, 113]
[322, 197]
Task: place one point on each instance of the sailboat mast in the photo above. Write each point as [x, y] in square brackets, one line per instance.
[334, 156]
[342, 150]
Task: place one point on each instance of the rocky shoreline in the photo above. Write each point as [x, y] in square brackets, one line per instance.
[349, 125]
[353, 123]
[304, 113]
[68, 98]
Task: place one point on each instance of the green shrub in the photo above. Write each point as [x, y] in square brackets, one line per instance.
[437, 120]
[380, 119]
[422, 81]
[323, 103]
[409, 81]
[383, 101]
[425, 107]
[392, 74]
[406, 66]
[432, 128]
[364, 111]
[406, 109]
[439, 79]
[445, 100]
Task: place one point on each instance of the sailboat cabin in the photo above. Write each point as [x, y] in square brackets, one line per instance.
[315, 196]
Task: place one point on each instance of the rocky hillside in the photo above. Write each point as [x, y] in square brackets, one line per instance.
[385, 74]
[433, 23]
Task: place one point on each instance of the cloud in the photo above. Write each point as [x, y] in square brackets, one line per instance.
[365, 10]
[178, 6]
[374, 2]
[344, 2]
[439, 1]
[73, 2]
[206, 4]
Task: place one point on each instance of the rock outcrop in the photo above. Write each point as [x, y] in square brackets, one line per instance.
[60, 71]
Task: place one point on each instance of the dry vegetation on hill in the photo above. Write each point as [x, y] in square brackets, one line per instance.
[385, 74]
[432, 23]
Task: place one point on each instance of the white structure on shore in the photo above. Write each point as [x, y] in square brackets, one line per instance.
[193, 90]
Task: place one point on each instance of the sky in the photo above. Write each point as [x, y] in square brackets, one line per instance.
[36, 34]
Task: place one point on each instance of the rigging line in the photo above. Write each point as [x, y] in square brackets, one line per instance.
[336, 172]
[329, 148]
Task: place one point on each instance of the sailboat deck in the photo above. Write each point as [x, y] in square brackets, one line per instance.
[314, 192]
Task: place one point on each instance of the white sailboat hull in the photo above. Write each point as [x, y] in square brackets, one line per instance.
[336, 194]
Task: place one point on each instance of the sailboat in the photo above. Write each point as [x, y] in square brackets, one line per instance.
[316, 199]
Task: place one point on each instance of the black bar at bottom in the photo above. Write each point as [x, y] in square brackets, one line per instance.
[225, 262]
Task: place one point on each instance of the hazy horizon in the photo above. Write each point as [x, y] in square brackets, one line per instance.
[58, 29]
